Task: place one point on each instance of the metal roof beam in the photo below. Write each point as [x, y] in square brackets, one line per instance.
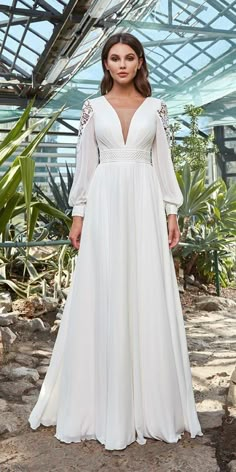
[212, 32]
[205, 72]
[171, 42]
[47, 7]
[225, 11]
[35, 15]
[30, 12]
[24, 44]
[14, 100]
[7, 29]
[67, 125]
[40, 67]
[23, 20]
[7, 61]
[10, 76]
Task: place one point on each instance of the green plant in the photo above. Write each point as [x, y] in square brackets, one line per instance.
[207, 221]
[59, 199]
[193, 148]
[19, 208]
[21, 173]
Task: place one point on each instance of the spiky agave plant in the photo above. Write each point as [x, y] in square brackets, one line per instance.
[59, 199]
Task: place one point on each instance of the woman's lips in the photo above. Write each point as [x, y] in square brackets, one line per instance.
[123, 74]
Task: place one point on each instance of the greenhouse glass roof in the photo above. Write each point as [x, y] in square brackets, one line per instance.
[52, 50]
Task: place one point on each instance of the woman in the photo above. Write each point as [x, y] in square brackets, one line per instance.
[120, 370]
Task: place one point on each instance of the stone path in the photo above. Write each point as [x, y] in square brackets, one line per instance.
[212, 347]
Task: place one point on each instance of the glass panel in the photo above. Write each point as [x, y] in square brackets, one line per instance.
[230, 181]
[231, 166]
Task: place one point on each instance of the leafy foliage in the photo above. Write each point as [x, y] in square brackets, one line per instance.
[59, 199]
[193, 148]
[20, 173]
[207, 221]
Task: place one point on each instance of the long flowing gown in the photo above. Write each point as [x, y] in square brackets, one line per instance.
[119, 370]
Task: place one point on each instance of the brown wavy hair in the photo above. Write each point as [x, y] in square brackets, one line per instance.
[141, 82]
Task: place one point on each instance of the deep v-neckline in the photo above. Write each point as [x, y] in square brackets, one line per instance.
[118, 119]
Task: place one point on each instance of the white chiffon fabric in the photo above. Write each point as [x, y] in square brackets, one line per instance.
[119, 370]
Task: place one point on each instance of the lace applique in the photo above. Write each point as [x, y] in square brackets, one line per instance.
[163, 112]
[87, 110]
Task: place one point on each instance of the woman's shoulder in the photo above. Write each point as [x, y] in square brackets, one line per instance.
[91, 103]
[158, 102]
[93, 100]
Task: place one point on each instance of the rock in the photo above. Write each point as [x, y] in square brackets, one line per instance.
[3, 405]
[41, 251]
[36, 325]
[4, 427]
[210, 303]
[56, 325]
[42, 370]
[13, 373]
[31, 398]
[1, 348]
[211, 419]
[5, 301]
[231, 467]
[3, 310]
[6, 306]
[25, 360]
[27, 307]
[197, 344]
[14, 420]
[50, 303]
[7, 319]
[35, 306]
[8, 421]
[8, 337]
[199, 357]
[186, 457]
[192, 288]
[41, 353]
[190, 278]
[39, 383]
[232, 389]
[44, 362]
[65, 291]
[15, 389]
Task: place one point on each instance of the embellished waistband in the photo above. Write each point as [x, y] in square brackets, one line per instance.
[124, 155]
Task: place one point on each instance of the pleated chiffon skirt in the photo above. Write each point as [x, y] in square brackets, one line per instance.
[120, 369]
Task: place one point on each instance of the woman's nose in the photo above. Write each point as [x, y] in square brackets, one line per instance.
[122, 63]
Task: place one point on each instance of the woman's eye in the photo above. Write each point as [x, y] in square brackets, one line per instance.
[131, 58]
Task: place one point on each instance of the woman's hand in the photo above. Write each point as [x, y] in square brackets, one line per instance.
[75, 232]
[173, 231]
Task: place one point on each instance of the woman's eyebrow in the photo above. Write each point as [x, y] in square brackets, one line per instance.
[129, 54]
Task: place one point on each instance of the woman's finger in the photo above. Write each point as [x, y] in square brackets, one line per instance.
[75, 242]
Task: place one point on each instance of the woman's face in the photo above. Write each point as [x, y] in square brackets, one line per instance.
[122, 63]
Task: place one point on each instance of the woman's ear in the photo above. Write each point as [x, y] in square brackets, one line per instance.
[140, 62]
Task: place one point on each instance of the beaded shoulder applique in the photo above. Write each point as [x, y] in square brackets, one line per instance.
[87, 111]
[163, 112]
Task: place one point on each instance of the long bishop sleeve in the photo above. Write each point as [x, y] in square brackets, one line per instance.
[163, 165]
[86, 161]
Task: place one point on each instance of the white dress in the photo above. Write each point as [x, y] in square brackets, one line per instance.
[119, 370]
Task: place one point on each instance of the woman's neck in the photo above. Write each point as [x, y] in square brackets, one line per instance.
[124, 91]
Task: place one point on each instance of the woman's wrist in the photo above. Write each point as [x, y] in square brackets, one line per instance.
[77, 218]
